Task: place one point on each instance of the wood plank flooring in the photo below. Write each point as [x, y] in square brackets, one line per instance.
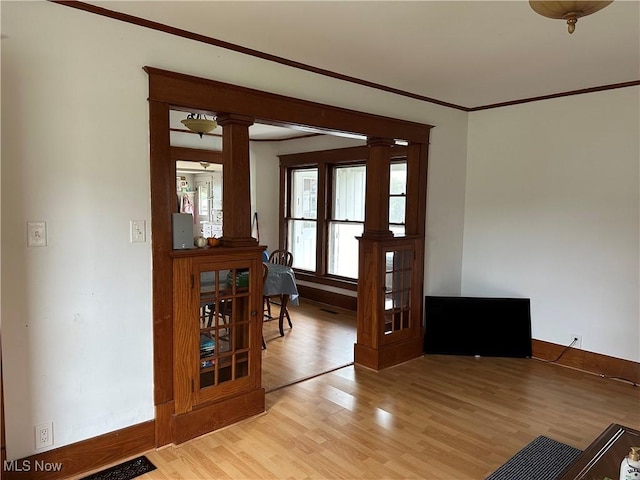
[321, 339]
[436, 417]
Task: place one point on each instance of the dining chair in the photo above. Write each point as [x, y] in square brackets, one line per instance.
[213, 311]
[281, 257]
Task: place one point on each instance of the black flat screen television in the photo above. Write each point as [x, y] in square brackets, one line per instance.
[492, 327]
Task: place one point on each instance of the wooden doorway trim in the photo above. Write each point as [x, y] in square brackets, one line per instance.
[176, 91]
[195, 94]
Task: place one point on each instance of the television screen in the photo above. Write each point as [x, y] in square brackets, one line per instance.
[493, 327]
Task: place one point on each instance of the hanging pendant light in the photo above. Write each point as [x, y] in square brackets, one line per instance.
[199, 123]
[569, 11]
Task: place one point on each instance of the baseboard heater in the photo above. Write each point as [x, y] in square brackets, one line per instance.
[485, 326]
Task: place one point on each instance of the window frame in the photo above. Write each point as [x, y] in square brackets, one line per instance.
[289, 218]
[325, 161]
[330, 217]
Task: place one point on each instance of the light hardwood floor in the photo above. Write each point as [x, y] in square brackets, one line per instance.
[435, 417]
[321, 340]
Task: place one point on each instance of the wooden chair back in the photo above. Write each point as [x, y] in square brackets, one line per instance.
[281, 257]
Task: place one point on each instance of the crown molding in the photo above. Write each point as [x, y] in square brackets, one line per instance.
[310, 68]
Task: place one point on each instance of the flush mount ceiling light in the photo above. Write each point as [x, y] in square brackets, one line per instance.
[569, 11]
[199, 123]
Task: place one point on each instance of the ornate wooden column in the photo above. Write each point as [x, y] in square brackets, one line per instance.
[217, 291]
[376, 212]
[236, 188]
[390, 285]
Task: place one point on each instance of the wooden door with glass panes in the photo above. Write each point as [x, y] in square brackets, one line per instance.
[217, 351]
[399, 294]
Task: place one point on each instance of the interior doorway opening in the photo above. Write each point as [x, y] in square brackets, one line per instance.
[389, 323]
[325, 334]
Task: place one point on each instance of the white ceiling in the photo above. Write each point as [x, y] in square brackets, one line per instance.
[467, 53]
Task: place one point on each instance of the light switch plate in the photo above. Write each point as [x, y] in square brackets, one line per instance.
[137, 231]
[36, 234]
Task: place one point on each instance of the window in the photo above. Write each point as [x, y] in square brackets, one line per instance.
[346, 220]
[302, 221]
[324, 210]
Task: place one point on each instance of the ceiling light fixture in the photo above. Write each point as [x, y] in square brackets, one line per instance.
[569, 11]
[199, 123]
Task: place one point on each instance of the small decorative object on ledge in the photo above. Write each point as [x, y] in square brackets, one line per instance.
[200, 242]
[569, 11]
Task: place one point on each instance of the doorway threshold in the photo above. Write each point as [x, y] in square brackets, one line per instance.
[309, 377]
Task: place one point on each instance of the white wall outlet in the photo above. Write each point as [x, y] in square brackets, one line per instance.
[43, 435]
[137, 231]
[576, 340]
[36, 234]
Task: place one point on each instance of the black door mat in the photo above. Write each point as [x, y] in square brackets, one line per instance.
[542, 459]
[125, 471]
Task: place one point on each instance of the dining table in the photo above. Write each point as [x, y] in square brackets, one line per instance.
[281, 281]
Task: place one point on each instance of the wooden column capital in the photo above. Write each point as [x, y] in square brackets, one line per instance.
[380, 142]
[224, 119]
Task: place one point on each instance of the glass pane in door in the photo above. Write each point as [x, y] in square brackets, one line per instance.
[397, 299]
[224, 326]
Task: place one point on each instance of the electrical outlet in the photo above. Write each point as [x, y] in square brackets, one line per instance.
[137, 231]
[576, 340]
[43, 435]
[36, 234]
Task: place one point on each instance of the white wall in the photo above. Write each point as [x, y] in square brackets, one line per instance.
[552, 214]
[76, 315]
[265, 185]
[445, 210]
